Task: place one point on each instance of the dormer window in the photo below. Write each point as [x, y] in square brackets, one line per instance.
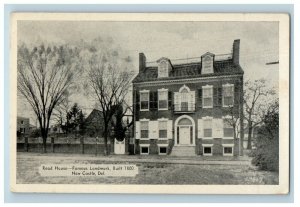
[164, 67]
[207, 63]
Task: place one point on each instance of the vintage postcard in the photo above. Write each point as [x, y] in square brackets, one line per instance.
[168, 103]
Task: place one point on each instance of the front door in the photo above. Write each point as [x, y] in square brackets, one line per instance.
[184, 135]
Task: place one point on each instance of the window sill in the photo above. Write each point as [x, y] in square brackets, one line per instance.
[162, 138]
[227, 155]
[227, 106]
[164, 109]
[227, 138]
[144, 109]
[207, 154]
[207, 107]
[144, 139]
[207, 138]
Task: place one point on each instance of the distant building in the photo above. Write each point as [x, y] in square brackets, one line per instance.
[182, 108]
[23, 126]
[94, 123]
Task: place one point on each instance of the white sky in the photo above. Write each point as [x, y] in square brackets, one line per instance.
[259, 42]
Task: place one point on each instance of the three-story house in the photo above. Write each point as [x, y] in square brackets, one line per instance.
[189, 109]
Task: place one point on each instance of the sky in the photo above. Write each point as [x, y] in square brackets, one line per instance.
[259, 43]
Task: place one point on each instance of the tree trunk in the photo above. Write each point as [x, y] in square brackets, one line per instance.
[105, 140]
[44, 143]
[249, 143]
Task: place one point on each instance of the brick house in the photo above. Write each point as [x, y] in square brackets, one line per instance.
[187, 109]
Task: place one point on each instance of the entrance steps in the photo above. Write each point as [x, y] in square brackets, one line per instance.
[183, 151]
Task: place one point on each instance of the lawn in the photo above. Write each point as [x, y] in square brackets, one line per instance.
[149, 172]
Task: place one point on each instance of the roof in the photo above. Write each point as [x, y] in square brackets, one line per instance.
[190, 70]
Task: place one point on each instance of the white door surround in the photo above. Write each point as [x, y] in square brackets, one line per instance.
[184, 131]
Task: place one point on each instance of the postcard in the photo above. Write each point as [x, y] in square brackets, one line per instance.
[163, 103]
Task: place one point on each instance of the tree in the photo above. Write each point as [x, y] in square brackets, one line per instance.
[60, 114]
[256, 96]
[44, 77]
[75, 120]
[109, 80]
[266, 155]
[120, 125]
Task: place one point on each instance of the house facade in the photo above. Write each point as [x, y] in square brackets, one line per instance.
[189, 109]
[23, 126]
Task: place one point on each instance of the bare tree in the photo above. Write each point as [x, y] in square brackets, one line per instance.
[60, 114]
[109, 80]
[256, 96]
[44, 78]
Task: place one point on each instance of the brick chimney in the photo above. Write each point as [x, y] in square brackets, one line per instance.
[142, 62]
[236, 51]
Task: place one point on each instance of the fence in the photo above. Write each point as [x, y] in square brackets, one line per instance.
[76, 145]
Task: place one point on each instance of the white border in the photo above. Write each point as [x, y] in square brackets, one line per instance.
[283, 186]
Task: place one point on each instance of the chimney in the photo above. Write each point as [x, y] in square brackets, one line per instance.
[142, 62]
[236, 51]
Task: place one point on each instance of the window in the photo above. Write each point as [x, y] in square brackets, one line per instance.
[207, 127]
[207, 64]
[162, 99]
[227, 150]
[22, 122]
[163, 129]
[227, 128]
[162, 150]
[207, 96]
[144, 129]
[163, 69]
[228, 91]
[144, 150]
[144, 100]
[207, 149]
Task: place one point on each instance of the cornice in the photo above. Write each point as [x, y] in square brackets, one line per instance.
[187, 80]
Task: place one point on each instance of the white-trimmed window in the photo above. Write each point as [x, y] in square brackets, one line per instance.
[227, 149]
[144, 129]
[207, 128]
[207, 149]
[207, 96]
[162, 99]
[162, 149]
[228, 95]
[144, 100]
[163, 129]
[228, 131]
[144, 149]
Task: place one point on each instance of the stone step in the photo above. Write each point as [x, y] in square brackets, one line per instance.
[183, 151]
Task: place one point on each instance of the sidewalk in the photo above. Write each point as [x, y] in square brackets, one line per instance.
[197, 160]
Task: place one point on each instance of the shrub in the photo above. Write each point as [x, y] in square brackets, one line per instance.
[266, 155]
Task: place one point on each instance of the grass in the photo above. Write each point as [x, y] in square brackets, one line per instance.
[149, 173]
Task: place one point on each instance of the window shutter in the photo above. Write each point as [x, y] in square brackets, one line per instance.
[192, 101]
[215, 96]
[200, 97]
[170, 135]
[137, 100]
[200, 131]
[220, 96]
[217, 128]
[170, 100]
[137, 130]
[236, 92]
[153, 129]
[153, 100]
[177, 101]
